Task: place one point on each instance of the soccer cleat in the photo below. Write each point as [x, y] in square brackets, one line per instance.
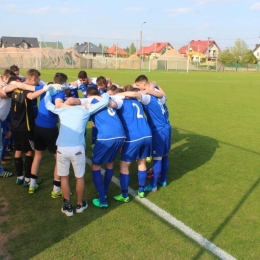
[150, 188]
[162, 183]
[81, 208]
[19, 181]
[27, 183]
[3, 162]
[6, 174]
[58, 194]
[140, 194]
[6, 158]
[97, 203]
[149, 159]
[121, 198]
[67, 210]
[33, 189]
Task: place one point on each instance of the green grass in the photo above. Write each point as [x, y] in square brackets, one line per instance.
[213, 183]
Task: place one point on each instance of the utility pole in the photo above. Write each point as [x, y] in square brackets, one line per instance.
[208, 55]
[141, 44]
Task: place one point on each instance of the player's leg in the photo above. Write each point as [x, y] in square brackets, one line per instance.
[78, 160]
[164, 173]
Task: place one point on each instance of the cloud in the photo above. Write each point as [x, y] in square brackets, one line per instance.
[132, 9]
[176, 12]
[18, 9]
[204, 2]
[203, 26]
[69, 10]
[255, 6]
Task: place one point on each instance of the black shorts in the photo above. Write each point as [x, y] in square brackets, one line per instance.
[23, 141]
[45, 138]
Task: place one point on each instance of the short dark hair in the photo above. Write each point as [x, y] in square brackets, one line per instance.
[13, 78]
[14, 68]
[92, 91]
[118, 90]
[82, 74]
[60, 78]
[8, 73]
[141, 78]
[128, 87]
[33, 72]
[101, 80]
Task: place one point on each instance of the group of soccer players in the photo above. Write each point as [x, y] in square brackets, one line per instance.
[131, 120]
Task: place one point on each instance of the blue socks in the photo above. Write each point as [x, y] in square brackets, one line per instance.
[165, 167]
[141, 180]
[157, 168]
[107, 179]
[124, 183]
[98, 182]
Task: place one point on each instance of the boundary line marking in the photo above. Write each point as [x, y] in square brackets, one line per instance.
[176, 223]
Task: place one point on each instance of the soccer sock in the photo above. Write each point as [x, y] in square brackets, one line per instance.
[157, 167]
[107, 179]
[27, 167]
[67, 203]
[141, 180]
[98, 182]
[33, 180]
[19, 167]
[5, 142]
[56, 186]
[94, 135]
[124, 183]
[165, 167]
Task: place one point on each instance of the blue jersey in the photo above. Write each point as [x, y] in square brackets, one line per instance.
[45, 117]
[102, 91]
[157, 116]
[133, 118]
[73, 93]
[108, 123]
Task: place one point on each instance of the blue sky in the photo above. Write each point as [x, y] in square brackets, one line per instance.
[120, 21]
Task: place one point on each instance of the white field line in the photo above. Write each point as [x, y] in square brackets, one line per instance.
[176, 223]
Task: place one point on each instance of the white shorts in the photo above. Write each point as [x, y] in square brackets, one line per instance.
[74, 155]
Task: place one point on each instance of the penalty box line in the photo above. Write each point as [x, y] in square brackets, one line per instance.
[175, 222]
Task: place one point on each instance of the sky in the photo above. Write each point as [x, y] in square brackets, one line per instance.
[121, 22]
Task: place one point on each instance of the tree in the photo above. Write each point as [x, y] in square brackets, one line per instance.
[226, 57]
[103, 47]
[239, 54]
[131, 50]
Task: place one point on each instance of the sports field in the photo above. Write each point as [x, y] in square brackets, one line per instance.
[213, 184]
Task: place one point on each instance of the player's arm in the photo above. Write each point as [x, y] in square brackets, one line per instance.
[103, 103]
[14, 85]
[132, 94]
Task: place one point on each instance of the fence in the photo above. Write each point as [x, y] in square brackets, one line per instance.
[68, 52]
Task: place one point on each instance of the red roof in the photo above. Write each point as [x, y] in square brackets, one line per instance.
[116, 50]
[198, 46]
[155, 47]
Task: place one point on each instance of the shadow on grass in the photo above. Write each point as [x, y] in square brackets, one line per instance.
[189, 151]
[35, 220]
[229, 217]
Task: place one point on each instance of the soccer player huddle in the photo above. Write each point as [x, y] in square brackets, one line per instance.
[131, 120]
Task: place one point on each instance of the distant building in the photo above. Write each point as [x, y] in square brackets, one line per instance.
[114, 51]
[256, 51]
[19, 42]
[54, 45]
[89, 49]
[202, 47]
[155, 50]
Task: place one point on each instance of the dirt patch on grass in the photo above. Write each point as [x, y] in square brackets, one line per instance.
[4, 237]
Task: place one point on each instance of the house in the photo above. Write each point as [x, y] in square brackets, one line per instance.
[155, 50]
[54, 45]
[19, 42]
[114, 51]
[89, 49]
[202, 47]
[256, 51]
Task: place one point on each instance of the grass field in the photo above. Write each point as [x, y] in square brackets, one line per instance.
[213, 183]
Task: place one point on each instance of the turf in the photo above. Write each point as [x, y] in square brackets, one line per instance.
[213, 182]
